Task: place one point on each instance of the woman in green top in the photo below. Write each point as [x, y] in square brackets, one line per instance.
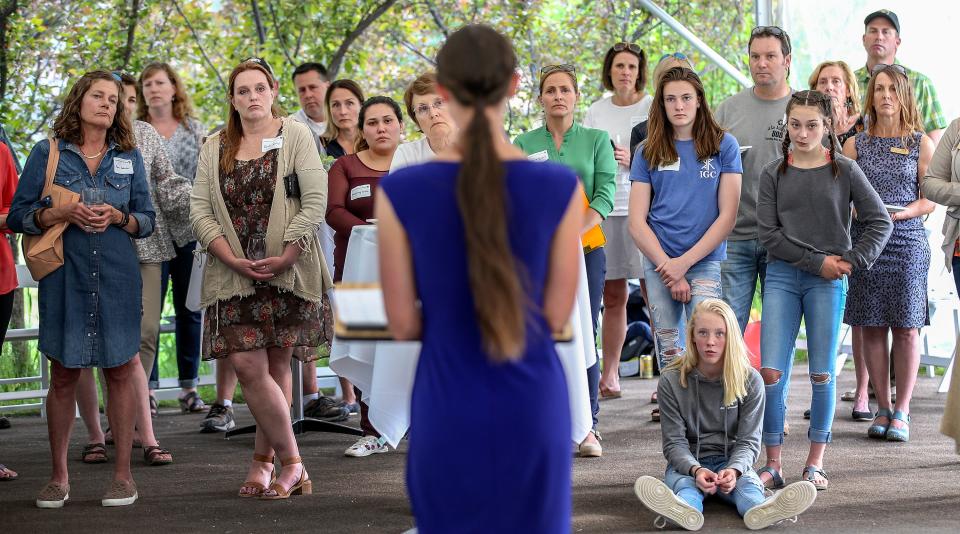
[589, 153]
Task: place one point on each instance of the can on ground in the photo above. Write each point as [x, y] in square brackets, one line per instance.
[646, 366]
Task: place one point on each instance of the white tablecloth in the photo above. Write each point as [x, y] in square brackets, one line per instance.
[384, 370]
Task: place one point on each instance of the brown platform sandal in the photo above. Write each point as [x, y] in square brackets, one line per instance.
[303, 486]
[256, 487]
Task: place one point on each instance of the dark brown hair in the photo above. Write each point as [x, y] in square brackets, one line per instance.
[606, 76]
[68, 126]
[660, 147]
[909, 114]
[233, 133]
[182, 109]
[425, 84]
[361, 143]
[481, 81]
[332, 132]
[824, 105]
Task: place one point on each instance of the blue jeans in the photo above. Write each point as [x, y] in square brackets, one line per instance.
[668, 316]
[187, 322]
[747, 494]
[746, 262]
[596, 263]
[792, 295]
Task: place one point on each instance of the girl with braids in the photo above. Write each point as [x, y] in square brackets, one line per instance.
[483, 276]
[892, 296]
[803, 211]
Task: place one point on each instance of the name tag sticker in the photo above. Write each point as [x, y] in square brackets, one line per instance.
[637, 119]
[270, 143]
[675, 166]
[122, 166]
[901, 151]
[539, 156]
[361, 191]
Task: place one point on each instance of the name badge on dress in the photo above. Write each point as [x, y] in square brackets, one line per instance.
[270, 143]
[675, 166]
[901, 151]
[539, 156]
[361, 191]
[122, 166]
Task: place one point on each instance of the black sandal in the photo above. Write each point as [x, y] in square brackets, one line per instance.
[94, 453]
[192, 403]
[776, 479]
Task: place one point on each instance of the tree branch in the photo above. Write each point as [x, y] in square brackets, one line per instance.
[337, 59]
[436, 18]
[131, 32]
[7, 9]
[261, 33]
[403, 42]
[196, 37]
[280, 35]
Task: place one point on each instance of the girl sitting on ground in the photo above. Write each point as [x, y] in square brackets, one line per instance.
[711, 406]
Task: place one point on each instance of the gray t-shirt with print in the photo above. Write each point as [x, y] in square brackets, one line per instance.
[759, 124]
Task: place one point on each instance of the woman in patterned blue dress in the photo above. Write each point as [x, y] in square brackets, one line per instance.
[487, 242]
[892, 295]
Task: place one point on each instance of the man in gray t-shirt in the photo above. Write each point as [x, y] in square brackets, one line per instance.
[756, 117]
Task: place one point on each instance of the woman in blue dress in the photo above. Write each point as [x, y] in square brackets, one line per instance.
[90, 307]
[487, 242]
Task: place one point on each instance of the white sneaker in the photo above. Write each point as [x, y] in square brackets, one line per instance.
[659, 498]
[366, 446]
[785, 505]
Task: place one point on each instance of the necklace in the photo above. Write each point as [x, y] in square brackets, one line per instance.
[95, 156]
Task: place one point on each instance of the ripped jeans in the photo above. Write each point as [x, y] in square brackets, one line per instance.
[669, 317]
[791, 295]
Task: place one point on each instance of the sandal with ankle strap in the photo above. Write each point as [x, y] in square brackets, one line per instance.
[776, 479]
[256, 488]
[876, 430]
[810, 473]
[156, 455]
[899, 434]
[303, 486]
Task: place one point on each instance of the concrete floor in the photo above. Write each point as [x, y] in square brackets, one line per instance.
[875, 486]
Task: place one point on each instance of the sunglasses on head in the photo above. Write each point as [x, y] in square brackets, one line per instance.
[880, 66]
[259, 61]
[676, 55]
[775, 31]
[550, 69]
[620, 47]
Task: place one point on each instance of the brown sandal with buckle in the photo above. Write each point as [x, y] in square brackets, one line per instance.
[156, 455]
[252, 488]
[303, 486]
[94, 453]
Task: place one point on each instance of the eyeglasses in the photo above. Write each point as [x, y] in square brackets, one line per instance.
[117, 75]
[620, 47]
[880, 66]
[550, 69]
[424, 110]
[676, 55]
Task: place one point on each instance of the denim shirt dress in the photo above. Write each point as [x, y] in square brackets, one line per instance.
[90, 309]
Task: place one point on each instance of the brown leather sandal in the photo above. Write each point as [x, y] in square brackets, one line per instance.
[303, 486]
[94, 453]
[254, 488]
[156, 455]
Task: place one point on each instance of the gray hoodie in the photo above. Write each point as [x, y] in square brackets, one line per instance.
[695, 424]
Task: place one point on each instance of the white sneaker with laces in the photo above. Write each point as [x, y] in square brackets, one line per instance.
[366, 446]
[659, 498]
[785, 505]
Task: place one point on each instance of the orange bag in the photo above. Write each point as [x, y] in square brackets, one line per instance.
[43, 253]
[593, 238]
[752, 339]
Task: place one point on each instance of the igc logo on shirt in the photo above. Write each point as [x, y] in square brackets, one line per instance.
[709, 170]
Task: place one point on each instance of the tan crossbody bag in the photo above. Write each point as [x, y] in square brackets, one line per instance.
[44, 253]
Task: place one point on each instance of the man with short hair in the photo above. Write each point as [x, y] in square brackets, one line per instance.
[756, 117]
[311, 82]
[881, 38]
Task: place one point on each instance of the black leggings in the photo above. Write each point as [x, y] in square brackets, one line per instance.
[6, 310]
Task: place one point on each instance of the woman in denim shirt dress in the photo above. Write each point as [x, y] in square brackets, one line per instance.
[90, 308]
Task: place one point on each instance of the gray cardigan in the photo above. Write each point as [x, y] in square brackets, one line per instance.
[695, 424]
[804, 215]
[942, 185]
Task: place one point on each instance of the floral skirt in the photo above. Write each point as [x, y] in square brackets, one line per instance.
[268, 318]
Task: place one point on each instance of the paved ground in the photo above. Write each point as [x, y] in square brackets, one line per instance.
[875, 486]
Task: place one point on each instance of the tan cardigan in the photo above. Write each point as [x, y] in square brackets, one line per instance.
[291, 220]
[942, 185]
